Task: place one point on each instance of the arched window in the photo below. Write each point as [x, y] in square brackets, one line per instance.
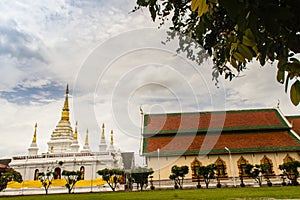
[268, 163]
[288, 158]
[242, 163]
[221, 168]
[57, 173]
[82, 170]
[194, 167]
[36, 174]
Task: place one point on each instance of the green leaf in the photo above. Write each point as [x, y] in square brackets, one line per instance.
[280, 76]
[153, 12]
[142, 2]
[295, 93]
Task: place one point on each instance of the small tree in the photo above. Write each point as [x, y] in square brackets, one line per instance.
[46, 179]
[140, 176]
[9, 175]
[178, 174]
[290, 170]
[111, 176]
[71, 177]
[256, 172]
[207, 172]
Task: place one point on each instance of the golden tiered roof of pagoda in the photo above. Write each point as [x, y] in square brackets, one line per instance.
[63, 128]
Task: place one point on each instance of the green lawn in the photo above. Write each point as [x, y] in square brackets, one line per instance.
[291, 192]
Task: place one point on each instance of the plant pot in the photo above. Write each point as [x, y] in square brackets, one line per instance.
[152, 187]
[269, 184]
[176, 187]
[198, 186]
[219, 185]
[283, 183]
[242, 184]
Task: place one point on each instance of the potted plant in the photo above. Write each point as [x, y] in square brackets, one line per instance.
[152, 187]
[219, 185]
[283, 177]
[242, 184]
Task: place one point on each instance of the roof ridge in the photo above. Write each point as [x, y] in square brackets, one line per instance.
[215, 111]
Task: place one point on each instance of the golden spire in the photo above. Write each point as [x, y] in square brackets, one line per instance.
[87, 137]
[112, 137]
[65, 110]
[34, 135]
[76, 132]
[103, 136]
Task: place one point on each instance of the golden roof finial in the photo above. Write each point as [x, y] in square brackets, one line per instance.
[76, 132]
[34, 135]
[87, 137]
[278, 103]
[103, 136]
[65, 110]
[112, 137]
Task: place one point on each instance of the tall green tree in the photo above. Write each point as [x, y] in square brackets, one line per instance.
[290, 170]
[72, 177]
[46, 179]
[9, 175]
[111, 176]
[207, 173]
[236, 32]
[140, 176]
[178, 174]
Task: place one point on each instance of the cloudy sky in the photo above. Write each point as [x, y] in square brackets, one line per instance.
[114, 62]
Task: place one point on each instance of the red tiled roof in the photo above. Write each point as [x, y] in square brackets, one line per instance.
[241, 131]
[230, 120]
[247, 141]
[295, 121]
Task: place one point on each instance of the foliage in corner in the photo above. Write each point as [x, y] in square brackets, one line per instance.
[235, 32]
[9, 175]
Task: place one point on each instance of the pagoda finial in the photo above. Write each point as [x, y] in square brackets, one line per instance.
[103, 136]
[111, 137]
[76, 132]
[65, 110]
[34, 135]
[87, 137]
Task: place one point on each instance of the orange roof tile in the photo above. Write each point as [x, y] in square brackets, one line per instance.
[295, 121]
[257, 130]
[230, 120]
[249, 142]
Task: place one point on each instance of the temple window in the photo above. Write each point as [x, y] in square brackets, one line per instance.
[194, 167]
[288, 158]
[269, 165]
[57, 173]
[36, 174]
[242, 163]
[82, 170]
[221, 168]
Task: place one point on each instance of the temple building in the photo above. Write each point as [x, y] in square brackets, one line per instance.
[229, 139]
[65, 153]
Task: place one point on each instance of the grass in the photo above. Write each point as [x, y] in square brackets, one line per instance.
[291, 192]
